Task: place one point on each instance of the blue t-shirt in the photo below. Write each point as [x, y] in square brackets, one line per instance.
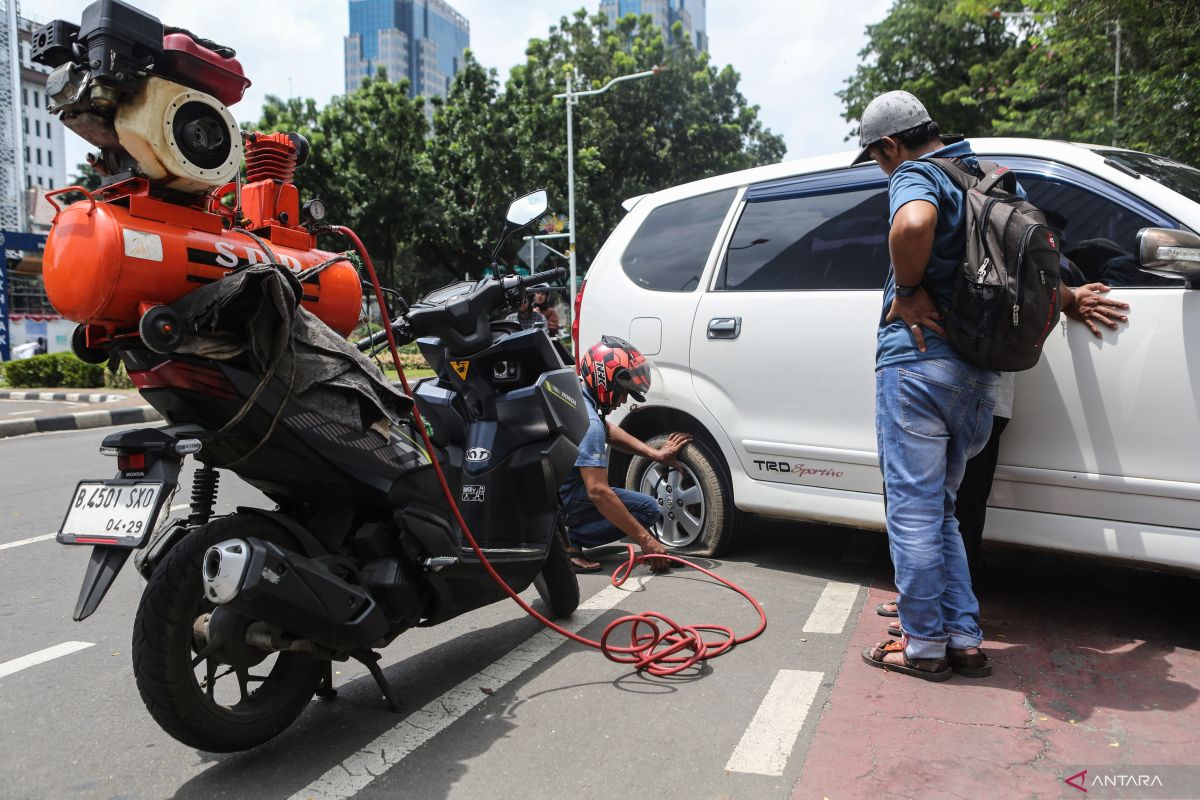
[920, 180]
[593, 452]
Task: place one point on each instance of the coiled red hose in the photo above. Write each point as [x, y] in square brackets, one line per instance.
[657, 644]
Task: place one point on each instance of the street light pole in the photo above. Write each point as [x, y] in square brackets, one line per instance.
[572, 97]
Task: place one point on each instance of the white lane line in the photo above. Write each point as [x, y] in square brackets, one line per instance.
[386, 751]
[30, 540]
[768, 741]
[41, 657]
[833, 608]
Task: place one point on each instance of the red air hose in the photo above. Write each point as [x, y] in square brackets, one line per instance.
[657, 644]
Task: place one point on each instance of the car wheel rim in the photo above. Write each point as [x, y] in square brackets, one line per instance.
[682, 510]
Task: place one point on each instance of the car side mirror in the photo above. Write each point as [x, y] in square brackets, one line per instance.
[1170, 253]
[525, 210]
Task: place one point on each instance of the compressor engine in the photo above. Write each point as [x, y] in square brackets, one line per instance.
[154, 99]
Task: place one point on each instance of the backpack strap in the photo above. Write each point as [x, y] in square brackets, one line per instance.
[998, 176]
[987, 178]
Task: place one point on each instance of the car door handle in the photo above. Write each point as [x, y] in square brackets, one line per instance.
[724, 327]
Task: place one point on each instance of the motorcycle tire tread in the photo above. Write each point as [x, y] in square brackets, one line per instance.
[171, 702]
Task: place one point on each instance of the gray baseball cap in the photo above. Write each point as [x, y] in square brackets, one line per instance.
[890, 112]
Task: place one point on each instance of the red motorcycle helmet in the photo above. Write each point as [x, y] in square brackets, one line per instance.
[613, 367]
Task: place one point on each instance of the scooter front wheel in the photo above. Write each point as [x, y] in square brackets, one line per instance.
[215, 699]
[557, 583]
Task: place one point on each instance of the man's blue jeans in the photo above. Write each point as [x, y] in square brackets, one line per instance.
[931, 417]
[587, 527]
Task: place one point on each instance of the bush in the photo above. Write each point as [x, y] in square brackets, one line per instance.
[52, 371]
[118, 379]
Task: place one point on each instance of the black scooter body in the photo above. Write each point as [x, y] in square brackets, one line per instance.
[506, 421]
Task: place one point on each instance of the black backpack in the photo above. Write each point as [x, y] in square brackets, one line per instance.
[1005, 300]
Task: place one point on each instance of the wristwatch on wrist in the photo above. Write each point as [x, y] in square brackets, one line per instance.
[906, 291]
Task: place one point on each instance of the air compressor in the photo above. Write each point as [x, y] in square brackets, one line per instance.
[173, 211]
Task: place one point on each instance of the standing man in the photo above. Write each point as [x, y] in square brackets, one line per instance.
[933, 409]
[611, 371]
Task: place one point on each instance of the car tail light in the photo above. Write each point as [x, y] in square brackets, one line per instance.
[575, 322]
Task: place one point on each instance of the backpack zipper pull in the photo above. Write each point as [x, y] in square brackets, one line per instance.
[1016, 315]
[1042, 275]
[982, 270]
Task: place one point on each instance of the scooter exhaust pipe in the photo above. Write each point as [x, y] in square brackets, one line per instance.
[301, 596]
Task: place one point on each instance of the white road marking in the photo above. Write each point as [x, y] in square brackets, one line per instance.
[42, 656]
[386, 751]
[768, 741]
[832, 609]
[30, 540]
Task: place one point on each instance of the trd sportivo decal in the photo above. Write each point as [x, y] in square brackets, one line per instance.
[796, 469]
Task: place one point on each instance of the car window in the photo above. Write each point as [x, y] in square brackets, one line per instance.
[825, 241]
[670, 249]
[1099, 236]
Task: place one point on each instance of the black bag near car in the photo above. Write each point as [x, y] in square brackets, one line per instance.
[1006, 291]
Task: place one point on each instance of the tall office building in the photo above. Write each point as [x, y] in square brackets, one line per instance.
[665, 14]
[422, 40]
[44, 146]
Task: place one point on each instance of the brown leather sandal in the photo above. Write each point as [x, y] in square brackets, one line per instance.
[927, 669]
[969, 665]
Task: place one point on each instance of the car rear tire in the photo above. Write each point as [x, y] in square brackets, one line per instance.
[698, 516]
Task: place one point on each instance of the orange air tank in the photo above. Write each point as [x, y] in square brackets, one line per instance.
[105, 261]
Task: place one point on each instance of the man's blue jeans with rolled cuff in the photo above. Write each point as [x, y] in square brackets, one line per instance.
[587, 527]
[931, 417]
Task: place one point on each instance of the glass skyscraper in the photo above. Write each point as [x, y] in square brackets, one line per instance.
[665, 14]
[422, 40]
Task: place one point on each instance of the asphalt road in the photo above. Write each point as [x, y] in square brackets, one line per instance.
[1096, 665]
[555, 718]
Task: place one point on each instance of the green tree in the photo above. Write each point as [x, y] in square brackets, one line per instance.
[477, 172]
[684, 124]
[1065, 88]
[368, 163]
[1047, 75]
[955, 56]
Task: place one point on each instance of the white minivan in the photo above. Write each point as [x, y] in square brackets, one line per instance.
[757, 295]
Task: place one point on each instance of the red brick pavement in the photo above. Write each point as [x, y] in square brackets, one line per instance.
[1084, 678]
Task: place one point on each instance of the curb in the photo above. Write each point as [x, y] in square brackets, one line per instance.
[70, 397]
[78, 421]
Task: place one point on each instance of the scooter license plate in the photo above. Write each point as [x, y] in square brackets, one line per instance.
[117, 513]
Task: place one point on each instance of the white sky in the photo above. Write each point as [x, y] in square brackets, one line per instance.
[792, 54]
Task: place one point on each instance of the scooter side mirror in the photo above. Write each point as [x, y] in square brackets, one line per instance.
[525, 210]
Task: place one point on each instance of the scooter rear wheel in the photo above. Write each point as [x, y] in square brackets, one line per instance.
[204, 700]
[557, 583]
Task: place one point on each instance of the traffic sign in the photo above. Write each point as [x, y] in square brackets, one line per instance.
[29, 242]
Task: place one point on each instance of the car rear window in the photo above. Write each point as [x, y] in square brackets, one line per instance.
[832, 241]
[670, 249]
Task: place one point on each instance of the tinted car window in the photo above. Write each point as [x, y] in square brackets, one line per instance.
[670, 249]
[1098, 235]
[824, 241]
